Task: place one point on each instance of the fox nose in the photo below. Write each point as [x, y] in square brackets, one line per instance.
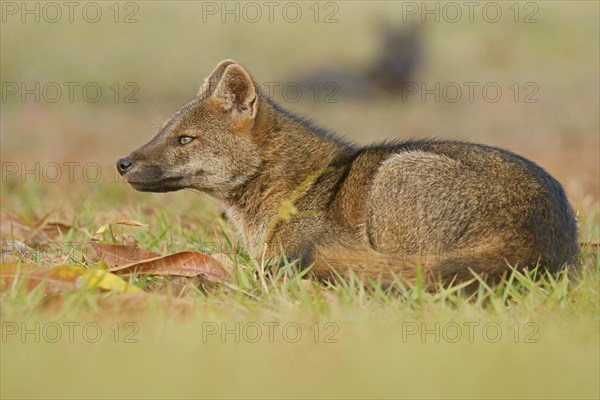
[123, 165]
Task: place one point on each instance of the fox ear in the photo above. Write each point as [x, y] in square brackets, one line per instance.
[210, 83]
[236, 92]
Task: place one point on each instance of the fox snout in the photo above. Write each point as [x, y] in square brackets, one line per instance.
[124, 164]
[146, 177]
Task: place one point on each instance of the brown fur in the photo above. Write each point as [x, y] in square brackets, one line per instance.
[452, 207]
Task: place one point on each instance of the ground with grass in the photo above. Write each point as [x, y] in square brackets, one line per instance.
[276, 334]
[272, 333]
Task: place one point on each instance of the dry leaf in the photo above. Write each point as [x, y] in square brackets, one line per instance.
[12, 226]
[62, 278]
[129, 222]
[97, 278]
[186, 263]
[48, 232]
[116, 254]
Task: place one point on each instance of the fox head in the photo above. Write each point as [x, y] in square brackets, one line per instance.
[209, 144]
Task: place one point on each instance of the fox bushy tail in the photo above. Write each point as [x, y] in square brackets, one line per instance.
[436, 268]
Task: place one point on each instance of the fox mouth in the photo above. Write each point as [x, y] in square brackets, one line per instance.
[161, 185]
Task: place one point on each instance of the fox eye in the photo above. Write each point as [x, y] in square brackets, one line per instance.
[185, 139]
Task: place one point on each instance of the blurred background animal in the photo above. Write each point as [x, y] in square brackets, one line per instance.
[395, 61]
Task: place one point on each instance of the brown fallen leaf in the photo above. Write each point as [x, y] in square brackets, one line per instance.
[13, 227]
[48, 232]
[56, 280]
[186, 263]
[117, 254]
[62, 278]
[129, 222]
